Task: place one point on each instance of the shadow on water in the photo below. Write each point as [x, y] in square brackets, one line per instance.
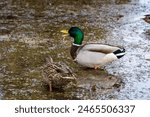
[30, 32]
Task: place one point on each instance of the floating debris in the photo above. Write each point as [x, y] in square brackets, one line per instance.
[147, 18]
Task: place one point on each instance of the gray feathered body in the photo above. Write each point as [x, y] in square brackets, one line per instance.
[94, 54]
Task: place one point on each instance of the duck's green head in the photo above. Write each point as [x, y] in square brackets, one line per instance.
[76, 33]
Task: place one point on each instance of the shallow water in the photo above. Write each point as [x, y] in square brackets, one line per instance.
[30, 31]
[134, 68]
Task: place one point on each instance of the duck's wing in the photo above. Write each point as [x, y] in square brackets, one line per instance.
[97, 47]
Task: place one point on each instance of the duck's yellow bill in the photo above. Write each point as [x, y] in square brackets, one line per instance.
[65, 32]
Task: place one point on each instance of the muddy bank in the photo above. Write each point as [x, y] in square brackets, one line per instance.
[30, 32]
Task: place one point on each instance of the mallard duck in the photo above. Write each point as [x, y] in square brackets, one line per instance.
[92, 55]
[57, 75]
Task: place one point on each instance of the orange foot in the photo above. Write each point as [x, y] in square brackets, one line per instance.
[96, 67]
